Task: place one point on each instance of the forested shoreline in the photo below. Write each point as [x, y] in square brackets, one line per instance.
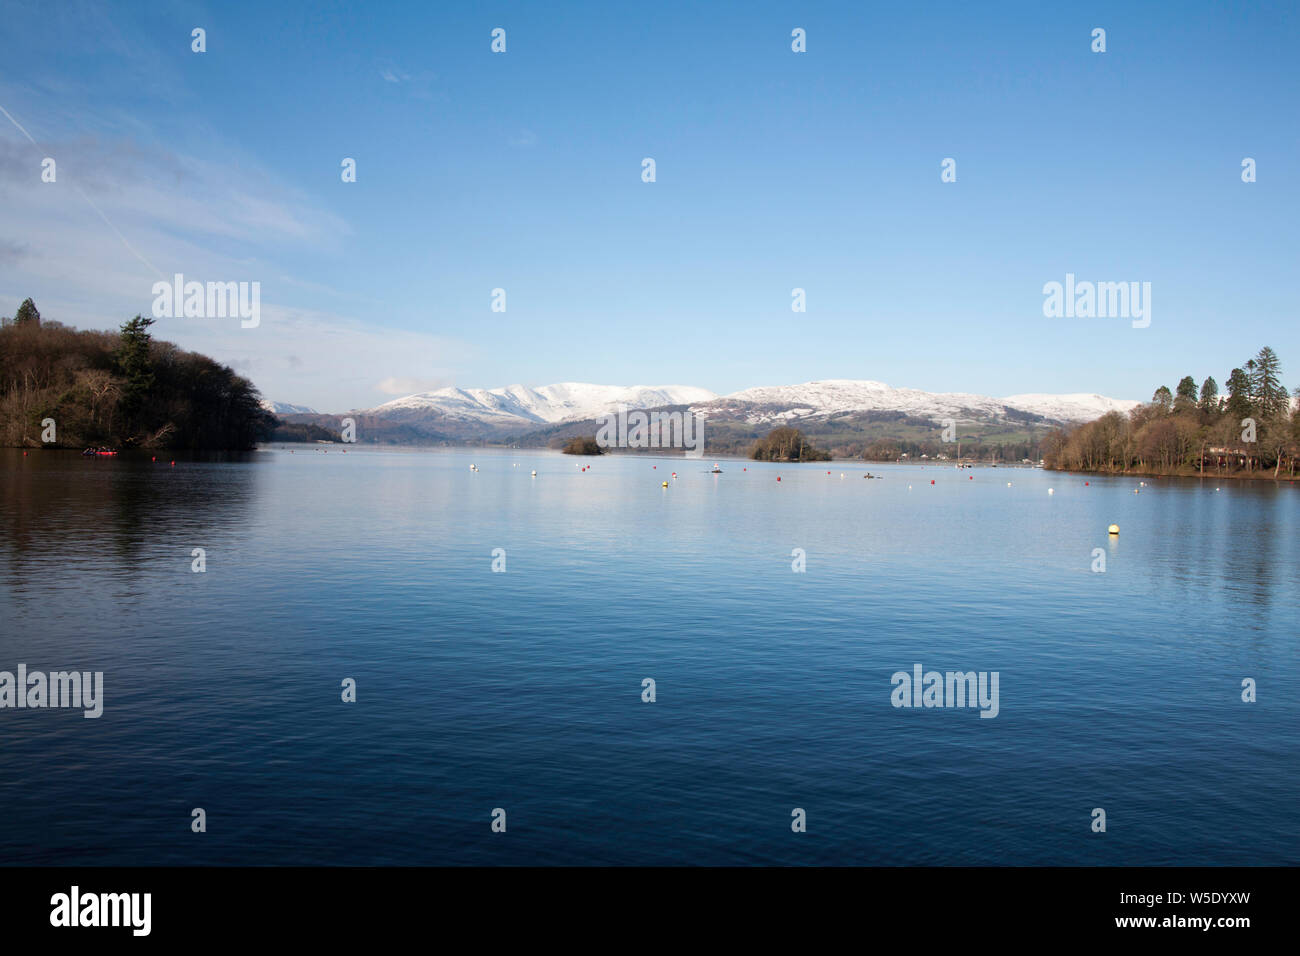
[66, 388]
[1250, 431]
[786, 444]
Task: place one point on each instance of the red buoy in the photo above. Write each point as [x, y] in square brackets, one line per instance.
[931, 481]
[1085, 484]
[173, 464]
[778, 477]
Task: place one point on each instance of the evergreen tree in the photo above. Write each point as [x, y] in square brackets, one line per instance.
[1239, 404]
[1266, 383]
[134, 364]
[27, 314]
[1163, 398]
[1209, 396]
[1185, 397]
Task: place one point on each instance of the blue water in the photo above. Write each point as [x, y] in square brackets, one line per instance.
[522, 690]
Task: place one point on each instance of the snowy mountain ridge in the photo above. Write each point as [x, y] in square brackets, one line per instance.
[578, 401]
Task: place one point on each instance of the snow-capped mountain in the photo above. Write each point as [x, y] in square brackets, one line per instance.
[284, 408]
[519, 408]
[1078, 407]
[546, 404]
[768, 404]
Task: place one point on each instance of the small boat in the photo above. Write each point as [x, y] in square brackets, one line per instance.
[716, 470]
[100, 452]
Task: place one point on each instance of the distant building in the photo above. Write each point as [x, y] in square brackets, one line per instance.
[1230, 456]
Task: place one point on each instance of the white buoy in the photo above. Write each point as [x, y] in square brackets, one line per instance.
[1008, 484]
[534, 472]
[1051, 491]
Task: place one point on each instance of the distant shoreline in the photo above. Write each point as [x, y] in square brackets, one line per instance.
[1264, 474]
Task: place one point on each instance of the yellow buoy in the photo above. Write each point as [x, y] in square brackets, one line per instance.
[1113, 529]
[665, 484]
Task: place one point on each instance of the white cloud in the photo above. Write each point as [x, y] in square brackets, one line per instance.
[212, 218]
[408, 386]
[327, 361]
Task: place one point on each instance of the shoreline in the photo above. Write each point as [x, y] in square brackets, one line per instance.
[1262, 475]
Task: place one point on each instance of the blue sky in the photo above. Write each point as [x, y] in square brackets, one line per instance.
[775, 170]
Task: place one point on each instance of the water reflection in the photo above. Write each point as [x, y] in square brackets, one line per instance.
[63, 515]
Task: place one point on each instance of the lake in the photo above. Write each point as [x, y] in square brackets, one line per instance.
[522, 690]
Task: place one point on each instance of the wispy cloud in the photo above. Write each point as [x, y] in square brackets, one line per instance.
[221, 216]
[420, 85]
[328, 361]
[407, 386]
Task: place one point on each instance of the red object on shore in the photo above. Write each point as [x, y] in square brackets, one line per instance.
[1085, 484]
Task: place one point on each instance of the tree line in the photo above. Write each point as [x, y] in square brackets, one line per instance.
[786, 444]
[972, 448]
[1253, 424]
[124, 389]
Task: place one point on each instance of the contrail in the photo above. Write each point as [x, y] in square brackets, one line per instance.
[82, 194]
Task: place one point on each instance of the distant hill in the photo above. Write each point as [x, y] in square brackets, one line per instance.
[851, 417]
[284, 408]
[519, 406]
